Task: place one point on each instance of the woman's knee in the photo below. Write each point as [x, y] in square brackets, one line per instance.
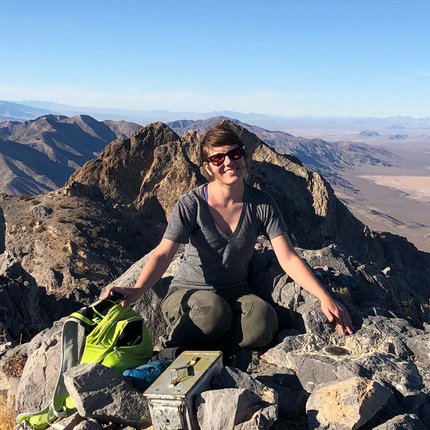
[210, 312]
[259, 321]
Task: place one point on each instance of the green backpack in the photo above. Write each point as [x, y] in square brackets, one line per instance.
[115, 336]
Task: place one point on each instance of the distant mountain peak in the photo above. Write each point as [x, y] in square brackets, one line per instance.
[369, 133]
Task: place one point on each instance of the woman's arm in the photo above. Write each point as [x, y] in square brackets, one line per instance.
[151, 273]
[295, 267]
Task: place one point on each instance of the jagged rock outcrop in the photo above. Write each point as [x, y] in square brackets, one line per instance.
[151, 169]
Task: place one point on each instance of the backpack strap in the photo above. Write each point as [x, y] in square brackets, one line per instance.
[70, 355]
[58, 407]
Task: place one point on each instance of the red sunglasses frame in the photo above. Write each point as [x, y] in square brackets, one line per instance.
[228, 154]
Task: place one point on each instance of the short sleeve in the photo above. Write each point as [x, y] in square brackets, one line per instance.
[273, 223]
[181, 222]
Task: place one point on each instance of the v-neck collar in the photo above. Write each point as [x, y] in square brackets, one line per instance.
[239, 224]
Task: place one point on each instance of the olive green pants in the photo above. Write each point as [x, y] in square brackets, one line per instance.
[201, 319]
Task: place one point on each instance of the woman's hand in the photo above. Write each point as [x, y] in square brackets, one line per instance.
[131, 295]
[336, 312]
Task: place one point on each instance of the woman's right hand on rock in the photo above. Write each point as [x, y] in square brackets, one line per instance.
[131, 295]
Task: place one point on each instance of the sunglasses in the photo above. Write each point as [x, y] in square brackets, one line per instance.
[233, 154]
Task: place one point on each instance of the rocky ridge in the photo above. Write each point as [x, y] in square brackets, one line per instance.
[328, 159]
[39, 155]
[132, 186]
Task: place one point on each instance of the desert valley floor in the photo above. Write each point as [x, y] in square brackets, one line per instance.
[394, 199]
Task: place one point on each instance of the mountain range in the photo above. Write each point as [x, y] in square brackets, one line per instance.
[30, 109]
[39, 155]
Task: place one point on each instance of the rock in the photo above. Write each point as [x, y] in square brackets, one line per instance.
[21, 313]
[42, 211]
[229, 377]
[88, 425]
[40, 373]
[225, 409]
[68, 423]
[402, 422]
[102, 393]
[329, 257]
[420, 347]
[291, 395]
[345, 405]
[261, 420]
[386, 271]
[378, 351]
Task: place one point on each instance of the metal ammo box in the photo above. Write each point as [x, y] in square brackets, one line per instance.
[171, 396]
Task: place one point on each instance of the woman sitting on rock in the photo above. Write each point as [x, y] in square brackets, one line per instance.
[210, 303]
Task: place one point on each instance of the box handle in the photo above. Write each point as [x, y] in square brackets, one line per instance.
[177, 374]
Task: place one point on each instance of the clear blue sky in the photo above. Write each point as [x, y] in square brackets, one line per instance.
[301, 57]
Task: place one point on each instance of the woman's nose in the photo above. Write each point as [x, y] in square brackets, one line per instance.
[227, 160]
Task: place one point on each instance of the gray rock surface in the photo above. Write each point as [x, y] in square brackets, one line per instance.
[232, 408]
[290, 393]
[40, 373]
[230, 377]
[88, 425]
[377, 349]
[103, 394]
[402, 422]
[69, 423]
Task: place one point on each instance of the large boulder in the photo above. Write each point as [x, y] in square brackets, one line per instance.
[345, 405]
[40, 373]
[234, 408]
[103, 394]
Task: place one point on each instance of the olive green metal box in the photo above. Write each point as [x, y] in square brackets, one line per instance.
[171, 398]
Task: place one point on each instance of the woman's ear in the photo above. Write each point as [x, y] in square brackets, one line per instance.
[207, 169]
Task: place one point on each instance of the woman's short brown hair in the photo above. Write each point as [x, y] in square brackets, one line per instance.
[216, 137]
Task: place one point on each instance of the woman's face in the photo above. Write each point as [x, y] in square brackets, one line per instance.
[230, 171]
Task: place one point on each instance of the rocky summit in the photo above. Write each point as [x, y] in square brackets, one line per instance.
[59, 249]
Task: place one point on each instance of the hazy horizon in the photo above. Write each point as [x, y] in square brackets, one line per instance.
[289, 59]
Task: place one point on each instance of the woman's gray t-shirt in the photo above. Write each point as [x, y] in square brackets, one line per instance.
[212, 259]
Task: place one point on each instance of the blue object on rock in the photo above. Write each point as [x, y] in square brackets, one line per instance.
[143, 376]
